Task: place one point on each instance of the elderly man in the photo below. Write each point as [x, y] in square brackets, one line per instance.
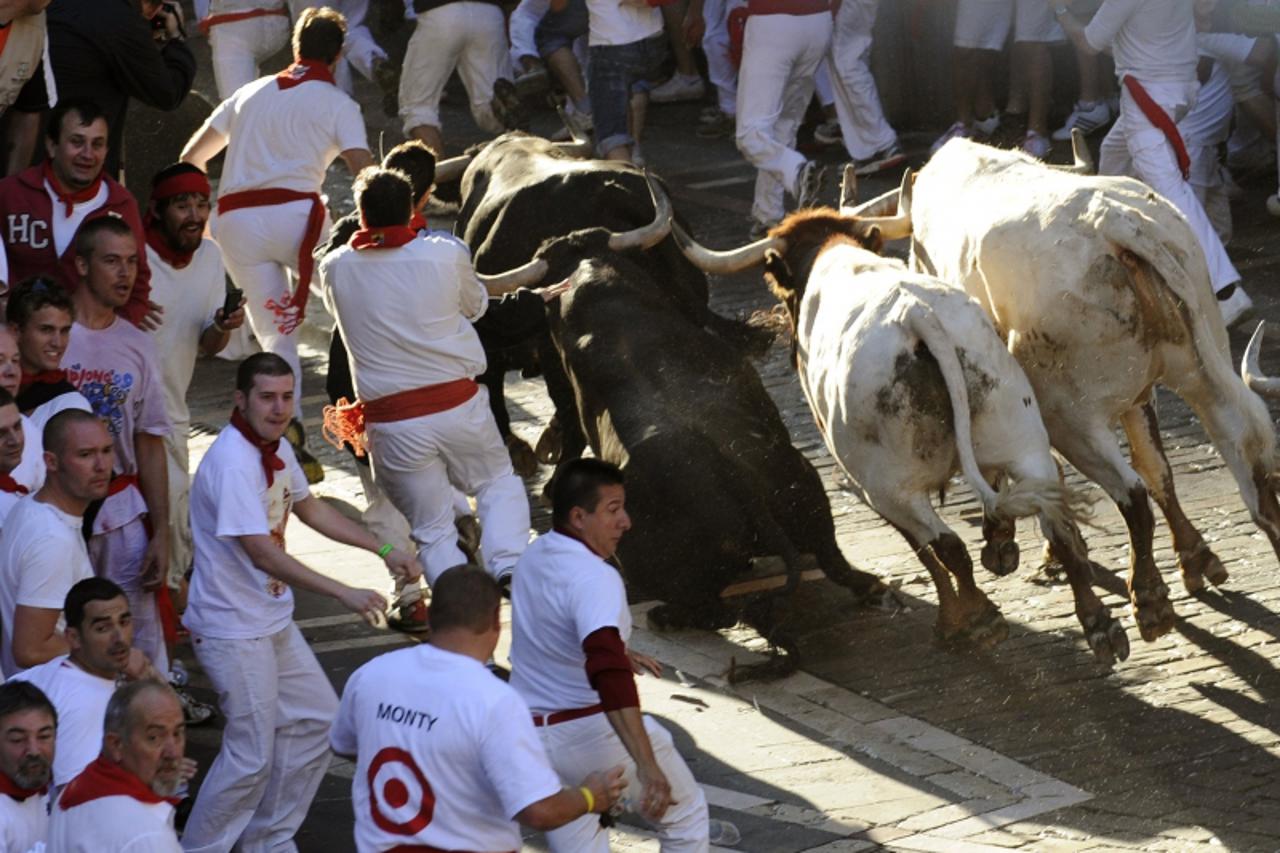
[124, 800]
[28, 724]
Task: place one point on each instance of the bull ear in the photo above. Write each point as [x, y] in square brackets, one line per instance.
[872, 239]
[777, 272]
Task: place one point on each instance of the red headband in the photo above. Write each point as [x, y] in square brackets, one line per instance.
[187, 182]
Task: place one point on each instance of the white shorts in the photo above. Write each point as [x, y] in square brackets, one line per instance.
[985, 24]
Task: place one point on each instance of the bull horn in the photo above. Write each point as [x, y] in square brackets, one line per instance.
[848, 186]
[580, 147]
[655, 232]
[451, 170]
[1083, 164]
[1251, 368]
[523, 276]
[898, 226]
[881, 205]
[725, 263]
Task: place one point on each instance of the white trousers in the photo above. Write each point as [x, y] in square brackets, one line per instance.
[260, 248]
[1203, 131]
[419, 462]
[466, 35]
[715, 44]
[175, 451]
[588, 744]
[857, 99]
[275, 748]
[1136, 147]
[240, 47]
[117, 556]
[780, 54]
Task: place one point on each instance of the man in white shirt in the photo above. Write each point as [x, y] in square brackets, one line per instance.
[281, 133]
[123, 802]
[1153, 43]
[414, 356]
[41, 313]
[570, 663]
[27, 474]
[115, 366]
[189, 281]
[28, 726]
[42, 550]
[100, 634]
[277, 702]
[446, 754]
[11, 452]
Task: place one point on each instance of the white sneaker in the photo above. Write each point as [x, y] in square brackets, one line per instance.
[1036, 145]
[956, 131]
[1090, 118]
[1236, 308]
[722, 833]
[809, 184]
[678, 88]
[988, 125]
[828, 133]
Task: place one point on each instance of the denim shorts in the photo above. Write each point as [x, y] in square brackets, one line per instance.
[617, 70]
[560, 29]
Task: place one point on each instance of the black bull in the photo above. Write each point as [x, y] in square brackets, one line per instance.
[657, 383]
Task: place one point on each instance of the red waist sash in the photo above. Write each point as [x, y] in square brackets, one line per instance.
[231, 17]
[1157, 116]
[344, 423]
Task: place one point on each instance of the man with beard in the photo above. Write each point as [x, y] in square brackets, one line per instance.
[124, 800]
[42, 550]
[100, 634]
[189, 280]
[28, 723]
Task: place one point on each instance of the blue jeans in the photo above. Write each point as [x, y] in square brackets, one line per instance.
[560, 29]
[615, 72]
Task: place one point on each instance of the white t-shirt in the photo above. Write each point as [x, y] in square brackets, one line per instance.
[440, 729]
[562, 593]
[611, 22]
[42, 555]
[30, 470]
[81, 701]
[118, 371]
[1153, 40]
[285, 138]
[190, 297]
[117, 824]
[65, 227]
[406, 313]
[24, 826]
[230, 597]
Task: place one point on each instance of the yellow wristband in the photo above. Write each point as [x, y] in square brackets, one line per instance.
[591, 799]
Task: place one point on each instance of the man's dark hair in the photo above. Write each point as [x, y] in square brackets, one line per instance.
[319, 34]
[32, 294]
[161, 204]
[260, 364]
[87, 235]
[464, 597]
[578, 484]
[384, 197]
[84, 592]
[19, 696]
[86, 109]
[415, 159]
[54, 439]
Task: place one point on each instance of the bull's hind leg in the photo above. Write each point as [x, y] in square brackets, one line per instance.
[1105, 635]
[1195, 558]
[1000, 554]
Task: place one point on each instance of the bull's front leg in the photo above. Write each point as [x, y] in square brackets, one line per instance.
[1195, 559]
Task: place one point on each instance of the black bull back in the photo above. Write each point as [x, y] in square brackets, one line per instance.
[657, 383]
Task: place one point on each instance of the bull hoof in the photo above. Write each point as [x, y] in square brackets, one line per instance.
[550, 443]
[1001, 559]
[523, 459]
[986, 630]
[1201, 565]
[1106, 637]
[1152, 611]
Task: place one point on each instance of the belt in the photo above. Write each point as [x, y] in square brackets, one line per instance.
[232, 17]
[1157, 116]
[555, 717]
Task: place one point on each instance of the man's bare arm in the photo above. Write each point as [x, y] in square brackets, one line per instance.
[35, 636]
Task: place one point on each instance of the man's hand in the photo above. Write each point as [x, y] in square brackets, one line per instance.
[232, 321]
[155, 563]
[655, 797]
[640, 664]
[139, 667]
[551, 291]
[402, 566]
[152, 319]
[166, 20]
[606, 787]
[188, 769]
[367, 602]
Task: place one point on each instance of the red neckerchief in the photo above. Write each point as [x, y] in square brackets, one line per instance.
[418, 222]
[271, 463]
[390, 237]
[157, 241]
[13, 487]
[104, 779]
[302, 71]
[575, 537]
[70, 199]
[10, 788]
[46, 377]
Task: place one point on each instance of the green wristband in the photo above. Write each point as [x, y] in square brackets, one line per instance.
[385, 550]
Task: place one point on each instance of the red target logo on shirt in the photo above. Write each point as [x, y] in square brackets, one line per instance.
[400, 797]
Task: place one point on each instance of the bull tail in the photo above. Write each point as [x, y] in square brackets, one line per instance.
[1060, 505]
[924, 324]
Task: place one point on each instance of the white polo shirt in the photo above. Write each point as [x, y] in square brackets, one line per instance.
[113, 824]
[612, 22]
[561, 594]
[231, 598]
[1153, 40]
[446, 754]
[24, 824]
[81, 701]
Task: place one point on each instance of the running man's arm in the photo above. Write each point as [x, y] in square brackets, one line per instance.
[327, 521]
